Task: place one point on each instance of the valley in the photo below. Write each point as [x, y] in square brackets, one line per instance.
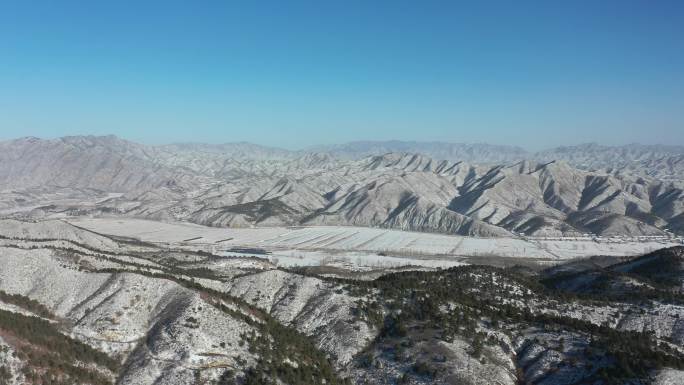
[359, 247]
[341, 193]
[130, 264]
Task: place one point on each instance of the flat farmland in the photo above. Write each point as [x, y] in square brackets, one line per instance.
[366, 240]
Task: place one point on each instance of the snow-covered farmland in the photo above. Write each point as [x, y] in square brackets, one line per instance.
[359, 245]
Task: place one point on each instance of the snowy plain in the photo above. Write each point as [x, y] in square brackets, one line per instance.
[363, 247]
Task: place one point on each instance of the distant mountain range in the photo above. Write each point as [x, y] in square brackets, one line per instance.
[659, 161]
[475, 189]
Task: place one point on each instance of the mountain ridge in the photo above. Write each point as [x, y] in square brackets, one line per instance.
[205, 184]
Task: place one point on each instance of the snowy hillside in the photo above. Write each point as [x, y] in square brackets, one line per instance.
[242, 185]
[84, 308]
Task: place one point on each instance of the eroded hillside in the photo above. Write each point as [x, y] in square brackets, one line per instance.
[127, 312]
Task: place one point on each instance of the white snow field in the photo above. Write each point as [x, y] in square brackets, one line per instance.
[363, 246]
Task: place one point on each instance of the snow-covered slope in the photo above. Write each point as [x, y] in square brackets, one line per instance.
[242, 185]
[157, 314]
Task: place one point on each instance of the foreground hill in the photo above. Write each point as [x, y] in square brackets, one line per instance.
[244, 185]
[86, 309]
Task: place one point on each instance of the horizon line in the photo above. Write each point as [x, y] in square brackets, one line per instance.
[331, 146]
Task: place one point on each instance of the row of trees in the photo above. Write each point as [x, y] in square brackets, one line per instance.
[27, 303]
[51, 357]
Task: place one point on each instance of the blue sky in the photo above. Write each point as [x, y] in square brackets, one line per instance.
[294, 73]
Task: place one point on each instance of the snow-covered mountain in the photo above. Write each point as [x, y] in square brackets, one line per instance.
[592, 156]
[240, 185]
[104, 163]
[659, 161]
[85, 307]
[473, 153]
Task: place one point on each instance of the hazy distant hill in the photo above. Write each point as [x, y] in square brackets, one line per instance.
[475, 153]
[105, 163]
[594, 156]
[660, 161]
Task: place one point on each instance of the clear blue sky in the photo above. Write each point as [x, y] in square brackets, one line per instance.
[293, 74]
